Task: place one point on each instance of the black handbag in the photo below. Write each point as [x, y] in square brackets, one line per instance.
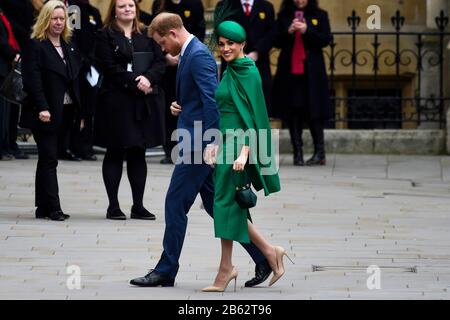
[245, 197]
[12, 88]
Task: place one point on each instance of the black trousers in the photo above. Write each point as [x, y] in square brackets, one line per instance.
[66, 129]
[316, 127]
[13, 121]
[46, 187]
[81, 142]
[5, 109]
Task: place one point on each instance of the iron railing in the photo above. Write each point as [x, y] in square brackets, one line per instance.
[396, 81]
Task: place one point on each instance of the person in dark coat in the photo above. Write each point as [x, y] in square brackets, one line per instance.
[81, 143]
[192, 15]
[144, 17]
[21, 14]
[300, 84]
[9, 50]
[130, 112]
[50, 70]
[258, 19]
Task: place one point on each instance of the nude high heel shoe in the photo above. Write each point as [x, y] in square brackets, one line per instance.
[280, 253]
[233, 275]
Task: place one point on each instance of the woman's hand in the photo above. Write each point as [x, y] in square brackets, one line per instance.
[144, 84]
[240, 162]
[210, 154]
[298, 25]
[44, 116]
[81, 124]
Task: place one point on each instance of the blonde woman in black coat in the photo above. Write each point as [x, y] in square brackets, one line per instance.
[130, 112]
[300, 84]
[50, 69]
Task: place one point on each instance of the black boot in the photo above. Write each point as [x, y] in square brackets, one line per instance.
[317, 132]
[318, 158]
[295, 130]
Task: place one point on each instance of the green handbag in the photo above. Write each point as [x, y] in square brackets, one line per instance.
[245, 197]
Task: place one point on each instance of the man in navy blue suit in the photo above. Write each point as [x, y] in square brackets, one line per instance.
[197, 111]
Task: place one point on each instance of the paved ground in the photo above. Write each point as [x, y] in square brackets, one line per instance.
[388, 211]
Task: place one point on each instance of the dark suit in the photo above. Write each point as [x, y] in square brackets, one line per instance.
[192, 15]
[196, 86]
[259, 27]
[46, 78]
[90, 22]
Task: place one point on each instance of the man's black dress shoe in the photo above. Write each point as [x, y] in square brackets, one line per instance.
[262, 272]
[141, 213]
[153, 279]
[166, 160]
[115, 214]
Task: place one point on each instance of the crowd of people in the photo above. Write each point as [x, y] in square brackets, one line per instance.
[298, 93]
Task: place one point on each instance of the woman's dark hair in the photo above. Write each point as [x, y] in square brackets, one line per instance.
[289, 6]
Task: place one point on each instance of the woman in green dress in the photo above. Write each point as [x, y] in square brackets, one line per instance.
[245, 155]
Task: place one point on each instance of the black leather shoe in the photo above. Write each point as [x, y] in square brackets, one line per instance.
[142, 214]
[166, 160]
[115, 214]
[68, 155]
[153, 279]
[262, 272]
[57, 216]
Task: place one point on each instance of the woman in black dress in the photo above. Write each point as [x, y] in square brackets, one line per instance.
[130, 113]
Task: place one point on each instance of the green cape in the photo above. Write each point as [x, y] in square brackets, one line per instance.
[245, 86]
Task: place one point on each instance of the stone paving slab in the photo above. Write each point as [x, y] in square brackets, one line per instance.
[334, 221]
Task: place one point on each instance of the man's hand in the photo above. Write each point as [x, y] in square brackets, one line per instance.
[175, 108]
[253, 55]
[171, 60]
[44, 116]
[81, 124]
[210, 154]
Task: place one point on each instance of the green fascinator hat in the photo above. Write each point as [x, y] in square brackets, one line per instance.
[231, 30]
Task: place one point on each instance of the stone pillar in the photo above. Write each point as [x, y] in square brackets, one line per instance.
[430, 75]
